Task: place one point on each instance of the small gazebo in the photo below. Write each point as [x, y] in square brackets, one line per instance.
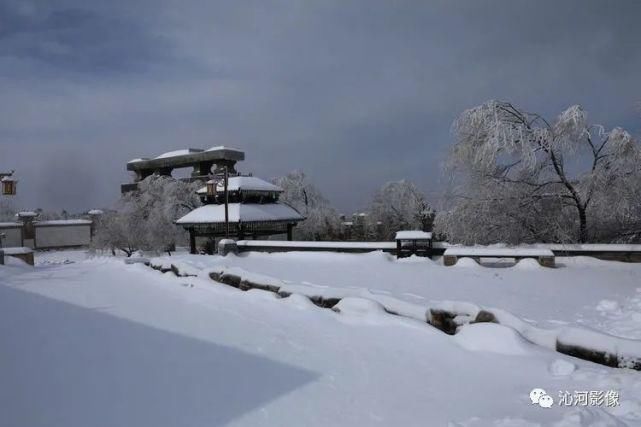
[253, 210]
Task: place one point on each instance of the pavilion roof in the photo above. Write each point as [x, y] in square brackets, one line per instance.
[244, 183]
[241, 212]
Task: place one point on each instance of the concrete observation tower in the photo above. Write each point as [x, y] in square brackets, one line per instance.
[234, 205]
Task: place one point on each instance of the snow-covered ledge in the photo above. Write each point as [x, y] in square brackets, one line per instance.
[226, 246]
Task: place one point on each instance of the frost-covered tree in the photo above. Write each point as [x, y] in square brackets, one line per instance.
[518, 177]
[119, 230]
[144, 219]
[400, 205]
[322, 221]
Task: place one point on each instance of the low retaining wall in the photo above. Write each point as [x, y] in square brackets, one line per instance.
[610, 252]
[24, 254]
[289, 246]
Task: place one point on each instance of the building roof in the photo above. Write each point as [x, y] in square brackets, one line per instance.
[222, 147]
[245, 183]
[241, 212]
[181, 152]
[186, 157]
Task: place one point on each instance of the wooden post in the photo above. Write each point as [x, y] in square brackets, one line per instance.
[226, 205]
[290, 229]
[546, 261]
[398, 248]
[192, 242]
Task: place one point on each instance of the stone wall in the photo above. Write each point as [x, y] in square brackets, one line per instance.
[61, 235]
[47, 234]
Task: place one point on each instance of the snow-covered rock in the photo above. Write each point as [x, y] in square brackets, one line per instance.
[359, 307]
[562, 367]
[490, 337]
[465, 262]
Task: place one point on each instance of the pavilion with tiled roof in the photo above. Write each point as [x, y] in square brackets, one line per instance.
[253, 210]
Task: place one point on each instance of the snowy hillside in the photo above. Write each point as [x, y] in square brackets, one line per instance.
[95, 342]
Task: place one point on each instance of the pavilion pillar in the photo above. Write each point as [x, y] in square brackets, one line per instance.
[163, 171]
[290, 232]
[225, 163]
[192, 242]
[142, 174]
[202, 169]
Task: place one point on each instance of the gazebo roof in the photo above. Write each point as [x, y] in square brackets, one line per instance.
[241, 212]
[245, 183]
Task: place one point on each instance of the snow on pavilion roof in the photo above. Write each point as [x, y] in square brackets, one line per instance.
[241, 212]
[244, 183]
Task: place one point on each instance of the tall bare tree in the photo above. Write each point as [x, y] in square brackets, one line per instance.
[519, 177]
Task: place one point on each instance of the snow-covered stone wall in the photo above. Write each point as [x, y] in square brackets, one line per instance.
[61, 234]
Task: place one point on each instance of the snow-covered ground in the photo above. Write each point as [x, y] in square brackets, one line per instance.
[90, 341]
[586, 291]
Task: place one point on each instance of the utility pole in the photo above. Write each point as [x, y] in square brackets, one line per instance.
[226, 177]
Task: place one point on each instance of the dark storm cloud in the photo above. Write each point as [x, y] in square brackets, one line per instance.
[77, 39]
[353, 92]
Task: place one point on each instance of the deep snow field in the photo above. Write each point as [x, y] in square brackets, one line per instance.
[90, 341]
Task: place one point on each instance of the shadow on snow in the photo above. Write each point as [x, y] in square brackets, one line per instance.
[63, 365]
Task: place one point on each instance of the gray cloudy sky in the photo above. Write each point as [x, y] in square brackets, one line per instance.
[355, 93]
